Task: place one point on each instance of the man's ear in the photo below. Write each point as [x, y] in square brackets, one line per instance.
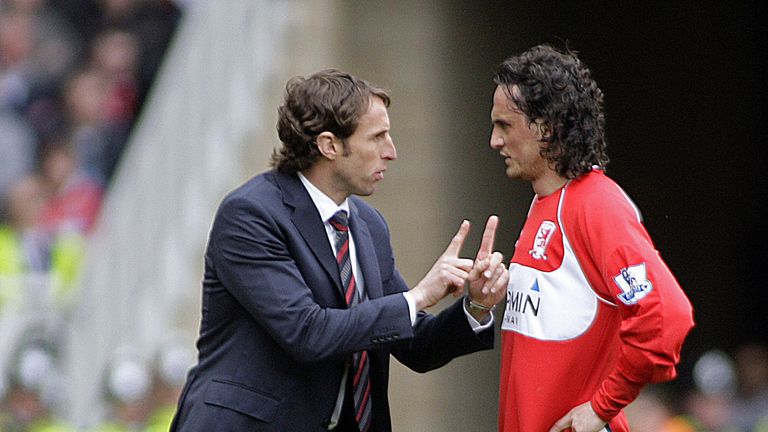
[545, 132]
[326, 144]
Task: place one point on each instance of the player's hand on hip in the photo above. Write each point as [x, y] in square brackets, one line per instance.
[580, 419]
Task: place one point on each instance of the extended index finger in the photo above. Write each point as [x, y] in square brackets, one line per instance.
[454, 247]
[489, 237]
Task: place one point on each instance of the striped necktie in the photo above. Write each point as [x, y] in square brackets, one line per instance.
[361, 383]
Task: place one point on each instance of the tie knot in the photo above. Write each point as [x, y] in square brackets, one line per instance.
[340, 221]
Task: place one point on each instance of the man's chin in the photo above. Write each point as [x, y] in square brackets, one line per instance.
[513, 173]
[365, 192]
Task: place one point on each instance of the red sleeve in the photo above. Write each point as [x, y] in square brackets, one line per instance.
[655, 314]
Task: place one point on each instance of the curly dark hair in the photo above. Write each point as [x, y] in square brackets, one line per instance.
[558, 88]
[330, 100]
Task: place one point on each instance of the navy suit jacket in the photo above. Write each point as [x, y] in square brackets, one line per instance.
[276, 333]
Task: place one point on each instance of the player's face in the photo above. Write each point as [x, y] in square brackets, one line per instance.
[517, 141]
[369, 149]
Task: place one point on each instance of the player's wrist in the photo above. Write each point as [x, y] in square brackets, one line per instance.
[473, 305]
[478, 311]
[419, 297]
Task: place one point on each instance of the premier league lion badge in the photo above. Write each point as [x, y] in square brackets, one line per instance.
[634, 283]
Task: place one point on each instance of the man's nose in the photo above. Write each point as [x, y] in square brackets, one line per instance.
[390, 152]
[496, 142]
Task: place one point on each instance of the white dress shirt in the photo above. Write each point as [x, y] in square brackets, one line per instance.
[327, 208]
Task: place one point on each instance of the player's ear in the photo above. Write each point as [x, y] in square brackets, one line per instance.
[328, 145]
[543, 129]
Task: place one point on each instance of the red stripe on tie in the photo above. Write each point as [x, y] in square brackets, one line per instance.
[350, 290]
[361, 363]
[339, 227]
[343, 252]
[364, 402]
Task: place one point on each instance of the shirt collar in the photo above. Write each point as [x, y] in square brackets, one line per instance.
[325, 205]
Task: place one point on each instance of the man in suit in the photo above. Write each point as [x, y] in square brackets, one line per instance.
[302, 303]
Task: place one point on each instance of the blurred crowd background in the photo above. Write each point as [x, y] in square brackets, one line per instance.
[74, 77]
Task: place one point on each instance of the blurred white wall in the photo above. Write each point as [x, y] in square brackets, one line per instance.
[143, 268]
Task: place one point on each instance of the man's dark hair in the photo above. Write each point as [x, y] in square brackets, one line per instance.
[330, 100]
[558, 88]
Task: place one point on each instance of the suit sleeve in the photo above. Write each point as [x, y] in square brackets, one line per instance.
[441, 338]
[655, 314]
[255, 262]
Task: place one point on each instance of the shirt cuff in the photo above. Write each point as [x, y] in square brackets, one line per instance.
[476, 325]
[411, 306]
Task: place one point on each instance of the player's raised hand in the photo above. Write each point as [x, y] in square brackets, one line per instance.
[488, 277]
[448, 274]
[489, 238]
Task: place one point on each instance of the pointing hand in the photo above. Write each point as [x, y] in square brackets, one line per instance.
[447, 275]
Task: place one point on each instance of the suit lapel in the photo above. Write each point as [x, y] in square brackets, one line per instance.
[307, 220]
[366, 253]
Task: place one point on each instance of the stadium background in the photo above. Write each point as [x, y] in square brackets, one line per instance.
[685, 108]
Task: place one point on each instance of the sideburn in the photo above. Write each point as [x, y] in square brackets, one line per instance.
[345, 147]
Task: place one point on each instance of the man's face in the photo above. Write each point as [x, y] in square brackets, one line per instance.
[369, 149]
[516, 140]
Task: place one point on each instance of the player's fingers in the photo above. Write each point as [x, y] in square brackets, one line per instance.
[496, 281]
[478, 269]
[563, 423]
[493, 264]
[462, 263]
[454, 247]
[455, 281]
[501, 282]
[489, 237]
[456, 290]
[457, 274]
